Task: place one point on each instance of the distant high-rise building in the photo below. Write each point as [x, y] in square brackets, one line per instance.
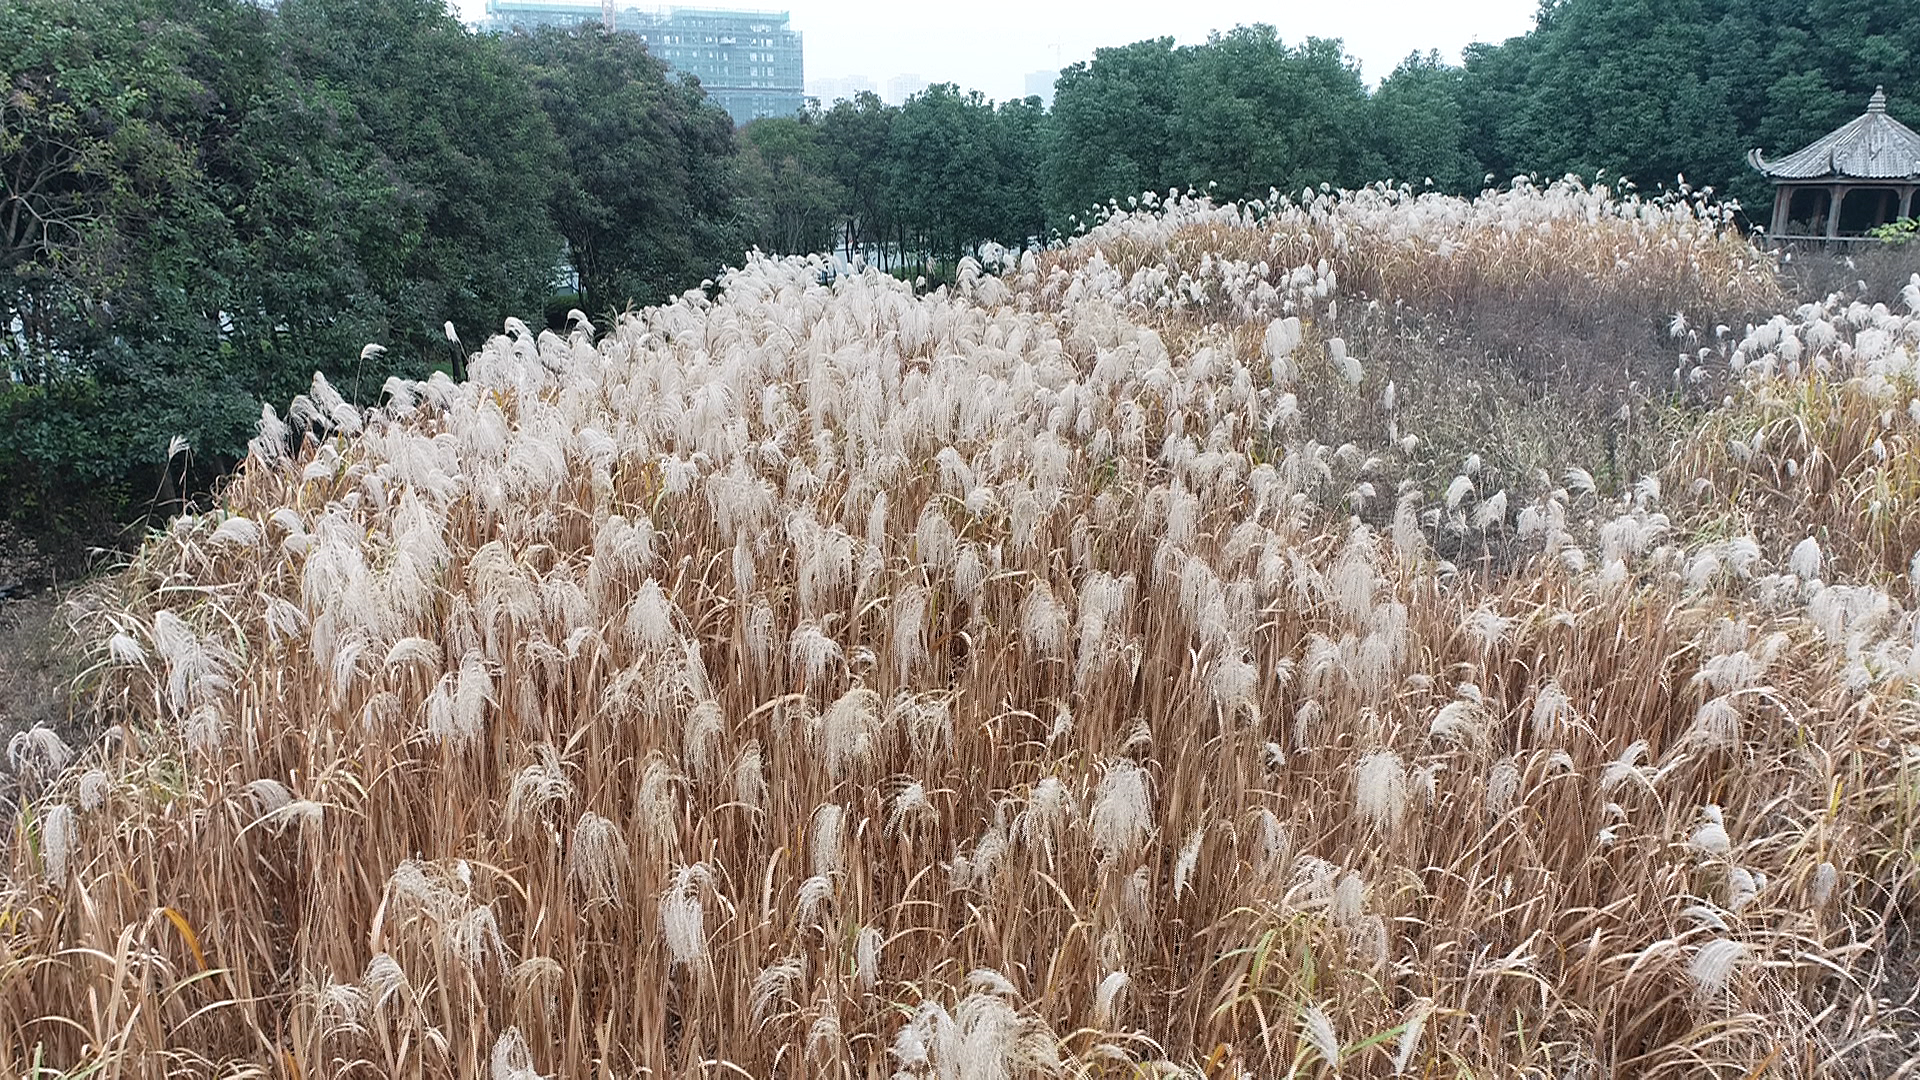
[844, 88]
[749, 62]
[902, 87]
[1040, 85]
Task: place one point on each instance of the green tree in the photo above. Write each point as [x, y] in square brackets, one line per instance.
[647, 199]
[1255, 114]
[943, 172]
[208, 200]
[856, 138]
[1654, 90]
[456, 125]
[1417, 129]
[796, 203]
[1113, 127]
[1020, 140]
[138, 317]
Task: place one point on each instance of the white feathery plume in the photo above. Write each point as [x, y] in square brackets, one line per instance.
[993, 1041]
[237, 531]
[774, 986]
[815, 893]
[1380, 790]
[812, 651]
[659, 808]
[595, 858]
[1503, 786]
[1805, 560]
[124, 648]
[38, 751]
[1711, 837]
[866, 963]
[1486, 628]
[827, 844]
[1491, 511]
[1414, 1026]
[1459, 722]
[1552, 711]
[847, 730]
[1717, 723]
[761, 648]
[992, 982]
[1458, 490]
[823, 1037]
[537, 787]
[1188, 861]
[933, 537]
[1826, 879]
[1348, 366]
[1316, 1030]
[1122, 814]
[1282, 338]
[95, 786]
[1713, 967]
[511, 1058]
[909, 631]
[471, 697]
[59, 836]
[749, 777]
[968, 570]
[1106, 998]
[909, 802]
[1349, 899]
[1044, 621]
[701, 732]
[682, 917]
[650, 617]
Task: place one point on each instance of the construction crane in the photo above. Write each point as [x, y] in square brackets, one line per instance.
[606, 15]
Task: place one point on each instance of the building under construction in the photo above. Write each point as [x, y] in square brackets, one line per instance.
[748, 61]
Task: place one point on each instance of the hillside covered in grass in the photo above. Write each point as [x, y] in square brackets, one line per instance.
[1384, 635]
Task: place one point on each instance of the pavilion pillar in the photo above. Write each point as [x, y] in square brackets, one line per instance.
[1835, 195]
[1906, 202]
[1782, 199]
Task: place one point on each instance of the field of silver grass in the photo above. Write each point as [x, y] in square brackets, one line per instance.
[1053, 674]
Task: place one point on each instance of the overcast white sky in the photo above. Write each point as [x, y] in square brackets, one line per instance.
[991, 45]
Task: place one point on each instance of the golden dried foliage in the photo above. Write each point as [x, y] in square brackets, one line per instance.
[834, 679]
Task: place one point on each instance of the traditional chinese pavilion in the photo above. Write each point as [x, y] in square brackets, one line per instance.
[1852, 179]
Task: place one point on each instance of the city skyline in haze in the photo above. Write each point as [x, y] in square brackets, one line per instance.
[994, 45]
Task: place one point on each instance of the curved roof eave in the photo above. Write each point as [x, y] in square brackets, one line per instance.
[1872, 146]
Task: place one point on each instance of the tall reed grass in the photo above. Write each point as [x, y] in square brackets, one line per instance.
[834, 679]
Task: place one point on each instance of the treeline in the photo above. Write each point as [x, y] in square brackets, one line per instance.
[202, 202]
[1648, 90]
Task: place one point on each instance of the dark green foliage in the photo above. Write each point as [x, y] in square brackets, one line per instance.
[646, 200]
[854, 137]
[797, 203]
[931, 180]
[453, 124]
[1652, 90]
[946, 178]
[203, 202]
[1113, 126]
[1239, 115]
[1253, 114]
[1418, 127]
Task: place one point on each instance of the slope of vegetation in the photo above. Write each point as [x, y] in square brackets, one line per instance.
[1121, 658]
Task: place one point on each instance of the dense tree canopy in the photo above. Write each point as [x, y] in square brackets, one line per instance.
[646, 195]
[1653, 89]
[207, 201]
